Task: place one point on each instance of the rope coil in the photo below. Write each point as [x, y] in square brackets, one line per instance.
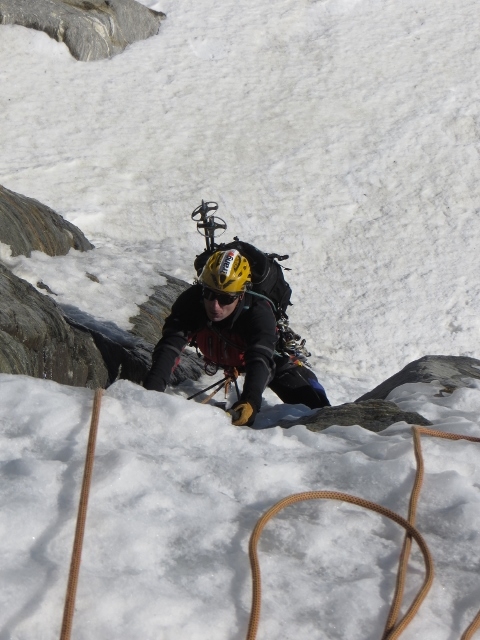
[393, 629]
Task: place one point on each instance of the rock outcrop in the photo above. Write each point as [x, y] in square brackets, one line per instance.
[35, 339]
[374, 415]
[449, 371]
[125, 356]
[372, 412]
[91, 29]
[41, 339]
[27, 225]
[148, 325]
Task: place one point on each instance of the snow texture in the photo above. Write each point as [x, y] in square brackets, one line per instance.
[345, 133]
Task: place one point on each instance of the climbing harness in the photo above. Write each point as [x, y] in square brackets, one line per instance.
[393, 629]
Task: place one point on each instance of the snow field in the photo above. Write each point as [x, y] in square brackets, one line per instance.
[176, 493]
[343, 133]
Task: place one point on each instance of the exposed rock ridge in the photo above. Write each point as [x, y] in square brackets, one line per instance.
[27, 225]
[372, 412]
[91, 29]
[36, 340]
[374, 415]
[151, 316]
[148, 325]
[449, 371]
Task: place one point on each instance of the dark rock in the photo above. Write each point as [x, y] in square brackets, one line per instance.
[449, 371]
[148, 324]
[45, 287]
[372, 412]
[35, 339]
[40, 339]
[91, 29]
[125, 356]
[27, 225]
[374, 415]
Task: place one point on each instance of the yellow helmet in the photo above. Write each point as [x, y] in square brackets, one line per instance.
[226, 271]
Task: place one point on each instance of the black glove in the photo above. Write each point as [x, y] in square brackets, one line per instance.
[243, 414]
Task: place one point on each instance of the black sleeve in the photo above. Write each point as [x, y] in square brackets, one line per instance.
[259, 363]
[178, 327]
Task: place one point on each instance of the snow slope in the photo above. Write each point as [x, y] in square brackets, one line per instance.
[343, 132]
[176, 493]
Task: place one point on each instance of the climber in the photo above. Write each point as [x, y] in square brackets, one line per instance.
[233, 328]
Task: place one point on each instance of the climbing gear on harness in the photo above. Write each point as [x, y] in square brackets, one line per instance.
[226, 272]
[218, 385]
[290, 343]
[218, 350]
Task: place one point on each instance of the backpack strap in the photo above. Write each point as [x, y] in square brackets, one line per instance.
[260, 295]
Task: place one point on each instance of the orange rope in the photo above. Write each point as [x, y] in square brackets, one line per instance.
[332, 495]
[407, 543]
[81, 519]
[393, 629]
[417, 431]
[473, 627]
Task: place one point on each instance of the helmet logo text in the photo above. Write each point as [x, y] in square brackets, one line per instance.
[227, 262]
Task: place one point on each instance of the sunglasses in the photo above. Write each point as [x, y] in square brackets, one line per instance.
[223, 299]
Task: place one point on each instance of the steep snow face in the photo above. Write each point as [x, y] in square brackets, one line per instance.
[176, 493]
[342, 132]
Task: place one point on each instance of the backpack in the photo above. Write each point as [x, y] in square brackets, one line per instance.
[268, 280]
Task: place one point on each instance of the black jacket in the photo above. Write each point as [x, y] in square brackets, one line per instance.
[251, 327]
